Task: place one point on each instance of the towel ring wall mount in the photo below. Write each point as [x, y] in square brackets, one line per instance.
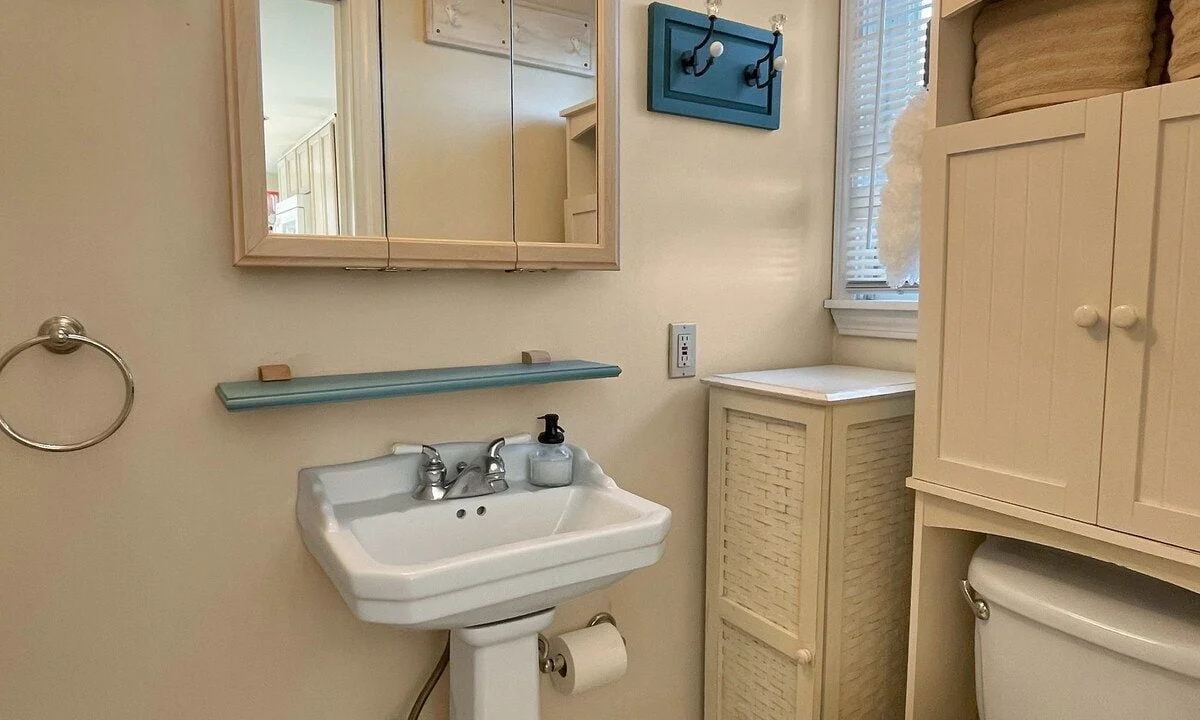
[63, 335]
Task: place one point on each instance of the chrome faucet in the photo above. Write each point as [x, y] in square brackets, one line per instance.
[482, 476]
[431, 482]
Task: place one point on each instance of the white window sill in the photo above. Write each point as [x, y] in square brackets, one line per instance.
[895, 319]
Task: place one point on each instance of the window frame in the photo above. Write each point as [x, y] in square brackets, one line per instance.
[867, 311]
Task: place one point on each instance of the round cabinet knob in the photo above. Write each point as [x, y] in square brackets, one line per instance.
[804, 657]
[1086, 316]
[779, 63]
[1125, 316]
[717, 49]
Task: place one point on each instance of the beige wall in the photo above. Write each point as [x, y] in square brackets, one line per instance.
[875, 352]
[160, 574]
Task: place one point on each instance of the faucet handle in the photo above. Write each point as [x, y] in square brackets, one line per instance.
[433, 472]
[435, 469]
[493, 464]
[493, 447]
[431, 475]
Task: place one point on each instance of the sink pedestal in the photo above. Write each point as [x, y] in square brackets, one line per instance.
[493, 669]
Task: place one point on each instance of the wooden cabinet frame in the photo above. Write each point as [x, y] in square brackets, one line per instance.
[1124, 387]
[362, 130]
[360, 125]
[1121, 509]
[950, 526]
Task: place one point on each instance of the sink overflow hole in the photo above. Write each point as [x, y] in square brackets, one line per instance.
[481, 510]
[461, 513]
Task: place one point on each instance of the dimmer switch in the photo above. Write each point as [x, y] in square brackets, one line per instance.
[681, 350]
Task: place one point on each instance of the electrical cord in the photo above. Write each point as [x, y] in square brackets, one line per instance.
[438, 671]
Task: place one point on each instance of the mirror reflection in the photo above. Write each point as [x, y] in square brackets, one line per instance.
[320, 67]
[554, 121]
[486, 119]
[300, 103]
[447, 115]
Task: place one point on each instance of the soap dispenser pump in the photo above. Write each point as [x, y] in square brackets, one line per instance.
[551, 464]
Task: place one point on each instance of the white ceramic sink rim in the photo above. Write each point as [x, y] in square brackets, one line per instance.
[620, 532]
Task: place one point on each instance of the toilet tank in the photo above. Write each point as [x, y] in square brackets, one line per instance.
[1071, 638]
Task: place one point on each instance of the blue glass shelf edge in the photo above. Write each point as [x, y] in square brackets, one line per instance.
[317, 390]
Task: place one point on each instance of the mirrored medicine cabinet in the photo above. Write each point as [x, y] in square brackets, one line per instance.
[423, 133]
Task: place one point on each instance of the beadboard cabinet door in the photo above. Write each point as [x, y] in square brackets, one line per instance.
[1150, 482]
[1018, 223]
[765, 558]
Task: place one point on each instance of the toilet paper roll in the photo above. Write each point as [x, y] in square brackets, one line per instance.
[594, 656]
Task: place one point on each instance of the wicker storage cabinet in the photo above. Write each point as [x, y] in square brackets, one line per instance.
[809, 544]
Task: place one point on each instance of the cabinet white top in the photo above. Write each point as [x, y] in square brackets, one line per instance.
[822, 384]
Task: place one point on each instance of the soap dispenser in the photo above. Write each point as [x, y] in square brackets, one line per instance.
[550, 465]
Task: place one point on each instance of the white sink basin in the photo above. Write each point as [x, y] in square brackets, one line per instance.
[418, 564]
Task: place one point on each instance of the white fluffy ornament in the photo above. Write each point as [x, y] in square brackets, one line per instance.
[899, 229]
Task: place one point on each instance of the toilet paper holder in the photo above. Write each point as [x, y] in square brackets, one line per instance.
[558, 663]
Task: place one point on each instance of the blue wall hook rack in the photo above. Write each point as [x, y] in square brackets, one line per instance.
[717, 88]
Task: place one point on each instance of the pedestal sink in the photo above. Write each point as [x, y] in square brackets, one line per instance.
[489, 569]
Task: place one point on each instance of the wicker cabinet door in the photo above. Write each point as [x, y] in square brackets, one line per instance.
[765, 566]
[869, 575]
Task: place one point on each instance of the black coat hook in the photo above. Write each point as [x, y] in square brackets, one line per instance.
[688, 59]
[754, 72]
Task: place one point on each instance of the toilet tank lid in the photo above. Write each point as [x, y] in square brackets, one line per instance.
[1127, 612]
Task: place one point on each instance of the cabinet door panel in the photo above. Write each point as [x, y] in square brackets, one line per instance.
[1018, 232]
[765, 564]
[324, 200]
[1150, 478]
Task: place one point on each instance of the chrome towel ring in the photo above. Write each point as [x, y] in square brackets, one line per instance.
[63, 335]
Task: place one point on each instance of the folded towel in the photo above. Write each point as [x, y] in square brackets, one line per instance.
[1160, 50]
[1031, 53]
[1185, 52]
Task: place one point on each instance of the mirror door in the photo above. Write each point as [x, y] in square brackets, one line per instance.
[305, 132]
[447, 120]
[564, 122]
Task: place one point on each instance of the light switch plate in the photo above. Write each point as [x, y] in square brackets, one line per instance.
[681, 350]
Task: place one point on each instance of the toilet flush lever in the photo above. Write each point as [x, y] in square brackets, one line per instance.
[978, 607]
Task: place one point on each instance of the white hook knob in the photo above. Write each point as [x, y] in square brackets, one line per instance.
[1125, 316]
[1086, 316]
[779, 63]
[717, 49]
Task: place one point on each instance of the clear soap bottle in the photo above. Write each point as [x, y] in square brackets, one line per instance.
[551, 464]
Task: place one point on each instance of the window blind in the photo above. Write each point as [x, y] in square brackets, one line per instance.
[883, 64]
